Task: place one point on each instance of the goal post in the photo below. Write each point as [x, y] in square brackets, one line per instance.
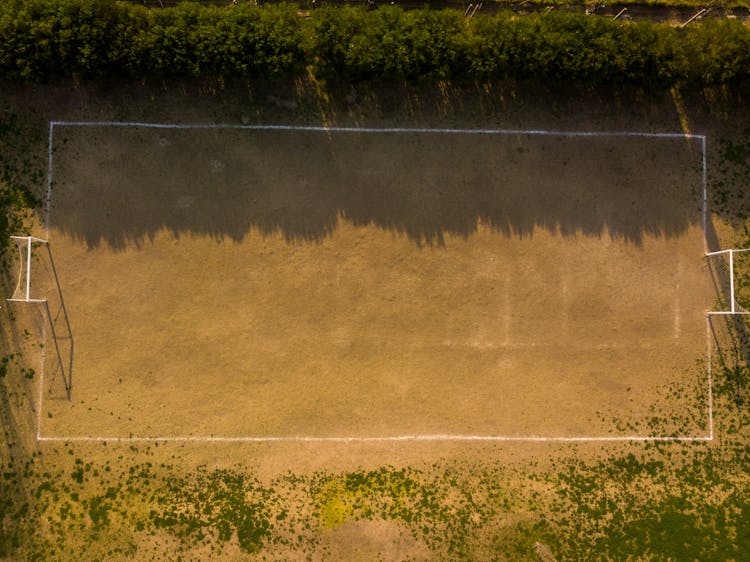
[734, 307]
[22, 292]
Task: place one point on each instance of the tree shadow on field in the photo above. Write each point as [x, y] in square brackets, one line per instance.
[122, 185]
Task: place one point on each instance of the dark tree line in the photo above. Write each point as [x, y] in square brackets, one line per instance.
[45, 39]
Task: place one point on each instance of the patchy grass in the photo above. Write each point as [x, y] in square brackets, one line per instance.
[658, 501]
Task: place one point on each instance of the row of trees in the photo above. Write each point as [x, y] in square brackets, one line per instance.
[44, 39]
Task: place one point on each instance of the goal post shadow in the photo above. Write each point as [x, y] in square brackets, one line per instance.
[56, 316]
[729, 352]
[729, 328]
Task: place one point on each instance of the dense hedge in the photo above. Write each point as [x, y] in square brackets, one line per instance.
[40, 39]
[43, 39]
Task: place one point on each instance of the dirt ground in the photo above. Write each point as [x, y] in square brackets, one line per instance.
[244, 283]
[265, 283]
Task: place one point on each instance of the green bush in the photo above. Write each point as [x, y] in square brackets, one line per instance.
[242, 40]
[387, 43]
[561, 47]
[44, 39]
[720, 51]
[41, 39]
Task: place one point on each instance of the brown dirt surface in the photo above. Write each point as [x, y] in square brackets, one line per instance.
[256, 283]
[247, 283]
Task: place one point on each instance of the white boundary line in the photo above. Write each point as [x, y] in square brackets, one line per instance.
[395, 438]
[316, 128]
[704, 179]
[48, 195]
[709, 376]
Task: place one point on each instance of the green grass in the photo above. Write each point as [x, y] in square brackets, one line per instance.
[672, 502]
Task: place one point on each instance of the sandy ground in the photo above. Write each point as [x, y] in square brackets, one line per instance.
[285, 283]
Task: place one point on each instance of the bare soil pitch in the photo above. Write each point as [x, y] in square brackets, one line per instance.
[287, 283]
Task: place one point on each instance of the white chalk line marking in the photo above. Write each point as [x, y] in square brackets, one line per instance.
[46, 212]
[704, 177]
[317, 128]
[48, 200]
[397, 438]
[47, 205]
[709, 377]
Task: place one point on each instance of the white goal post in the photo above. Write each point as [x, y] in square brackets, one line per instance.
[733, 309]
[22, 292]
